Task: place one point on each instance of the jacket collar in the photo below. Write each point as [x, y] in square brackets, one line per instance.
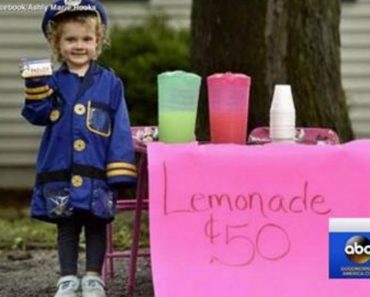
[88, 79]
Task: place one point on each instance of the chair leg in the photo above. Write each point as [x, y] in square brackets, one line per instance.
[109, 261]
[141, 192]
[104, 270]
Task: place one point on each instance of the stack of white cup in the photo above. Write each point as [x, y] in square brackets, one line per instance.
[282, 115]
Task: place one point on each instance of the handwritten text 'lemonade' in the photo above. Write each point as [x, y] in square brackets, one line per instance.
[218, 232]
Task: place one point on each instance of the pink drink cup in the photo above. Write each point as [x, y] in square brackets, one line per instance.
[228, 101]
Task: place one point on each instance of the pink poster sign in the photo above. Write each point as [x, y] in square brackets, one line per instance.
[230, 220]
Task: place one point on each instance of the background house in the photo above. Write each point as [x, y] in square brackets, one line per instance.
[20, 36]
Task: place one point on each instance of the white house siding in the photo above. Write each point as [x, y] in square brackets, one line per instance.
[20, 36]
[355, 36]
[18, 141]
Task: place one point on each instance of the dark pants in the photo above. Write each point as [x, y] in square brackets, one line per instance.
[69, 230]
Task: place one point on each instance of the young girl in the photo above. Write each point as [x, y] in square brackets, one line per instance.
[86, 149]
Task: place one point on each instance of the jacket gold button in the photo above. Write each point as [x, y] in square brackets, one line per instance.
[79, 109]
[77, 181]
[79, 145]
[54, 115]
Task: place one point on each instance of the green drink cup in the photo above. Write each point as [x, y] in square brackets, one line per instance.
[178, 93]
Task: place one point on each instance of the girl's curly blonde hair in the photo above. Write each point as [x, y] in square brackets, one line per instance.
[90, 18]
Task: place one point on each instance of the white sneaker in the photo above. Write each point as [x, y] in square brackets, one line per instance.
[68, 286]
[93, 286]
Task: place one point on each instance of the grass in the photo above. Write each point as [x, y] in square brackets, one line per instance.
[19, 232]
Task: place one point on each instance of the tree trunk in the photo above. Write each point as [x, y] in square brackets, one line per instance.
[292, 42]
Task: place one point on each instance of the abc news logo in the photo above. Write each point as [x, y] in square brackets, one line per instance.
[357, 249]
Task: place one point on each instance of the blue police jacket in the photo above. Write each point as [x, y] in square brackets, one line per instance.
[86, 147]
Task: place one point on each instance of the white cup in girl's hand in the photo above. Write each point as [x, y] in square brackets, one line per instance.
[31, 68]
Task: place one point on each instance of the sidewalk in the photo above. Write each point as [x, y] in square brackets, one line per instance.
[36, 275]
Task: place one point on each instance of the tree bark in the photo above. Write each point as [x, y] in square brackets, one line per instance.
[292, 42]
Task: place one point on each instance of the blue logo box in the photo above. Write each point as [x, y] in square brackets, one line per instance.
[349, 248]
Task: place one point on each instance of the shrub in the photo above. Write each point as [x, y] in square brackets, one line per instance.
[138, 54]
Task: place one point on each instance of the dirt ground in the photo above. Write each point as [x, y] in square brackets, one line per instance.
[34, 274]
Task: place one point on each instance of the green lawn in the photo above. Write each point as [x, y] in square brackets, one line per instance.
[18, 231]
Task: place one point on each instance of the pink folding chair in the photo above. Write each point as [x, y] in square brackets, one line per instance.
[141, 134]
[310, 135]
